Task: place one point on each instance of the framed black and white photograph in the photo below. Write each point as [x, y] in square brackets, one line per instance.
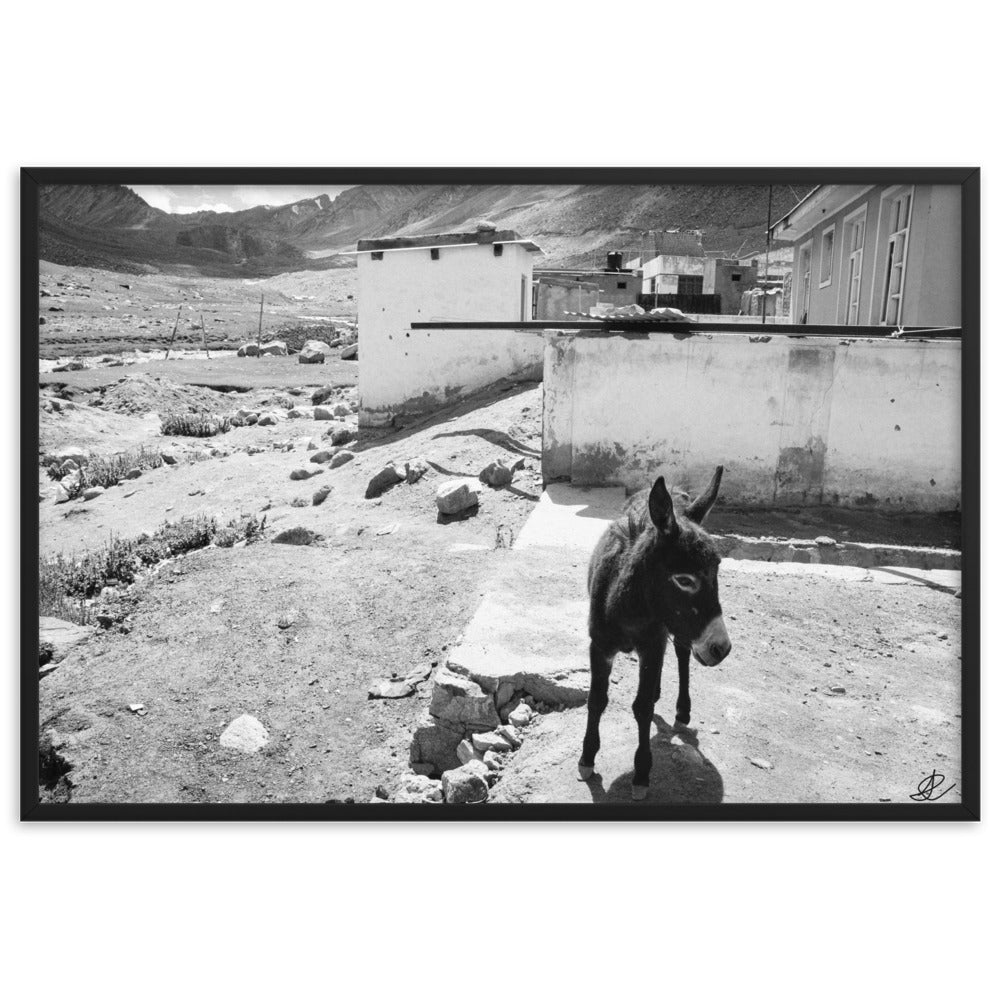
[531, 493]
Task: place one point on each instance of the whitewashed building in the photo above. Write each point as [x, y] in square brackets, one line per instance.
[473, 277]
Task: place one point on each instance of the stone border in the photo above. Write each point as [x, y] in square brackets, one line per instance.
[867, 555]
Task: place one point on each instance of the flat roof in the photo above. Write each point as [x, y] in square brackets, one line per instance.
[438, 240]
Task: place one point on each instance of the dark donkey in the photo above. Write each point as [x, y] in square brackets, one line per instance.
[654, 574]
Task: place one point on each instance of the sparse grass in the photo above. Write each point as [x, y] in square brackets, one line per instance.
[109, 470]
[195, 425]
[66, 586]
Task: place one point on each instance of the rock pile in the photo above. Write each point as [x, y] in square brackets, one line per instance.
[465, 733]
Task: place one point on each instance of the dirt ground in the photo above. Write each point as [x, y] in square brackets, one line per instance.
[387, 590]
[91, 312]
[843, 686]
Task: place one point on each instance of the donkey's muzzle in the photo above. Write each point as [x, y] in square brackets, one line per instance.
[713, 645]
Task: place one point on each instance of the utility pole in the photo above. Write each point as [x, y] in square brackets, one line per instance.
[260, 322]
[767, 256]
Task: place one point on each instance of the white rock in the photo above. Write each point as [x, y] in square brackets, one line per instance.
[245, 734]
[490, 741]
[457, 495]
[520, 717]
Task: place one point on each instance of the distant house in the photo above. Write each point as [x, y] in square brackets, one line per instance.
[876, 255]
[558, 292]
[475, 276]
[728, 279]
[672, 262]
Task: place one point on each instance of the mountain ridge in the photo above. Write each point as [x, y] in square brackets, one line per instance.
[575, 224]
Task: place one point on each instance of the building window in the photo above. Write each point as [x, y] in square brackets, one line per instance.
[690, 284]
[854, 237]
[805, 281]
[895, 263]
[826, 257]
[435, 253]
[622, 285]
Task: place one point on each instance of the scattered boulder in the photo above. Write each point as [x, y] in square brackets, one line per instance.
[93, 493]
[460, 700]
[169, 457]
[311, 355]
[267, 420]
[320, 495]
[435, 743]
[70, 366]
[505, 691]
[492, 760]
[417, 789]
[288, 618]
[248, 351]
[274, 347]
[61, 494]
[496, 474]
[323, 455]
[390, 689]
[520, 717]
[322, 413]
[133, 473]
[321, 395]
[466, 784]
[457, 495]
[465, 751]
[349, 353]
[490, 741]
[342, 410]
[340, 434]
[416, 469]
[245, 734]
[341, 458]
[384, 480]
[764, 765]
[298, 474]
[838, 689]
[511, 735]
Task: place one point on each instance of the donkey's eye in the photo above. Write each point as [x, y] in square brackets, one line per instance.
[689, 584]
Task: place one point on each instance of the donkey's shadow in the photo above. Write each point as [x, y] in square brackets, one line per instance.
[681, 772]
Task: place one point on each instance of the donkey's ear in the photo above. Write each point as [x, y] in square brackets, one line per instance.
[698, 509]
[661, 507]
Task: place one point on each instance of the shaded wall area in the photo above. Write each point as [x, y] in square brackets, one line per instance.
[795, 420]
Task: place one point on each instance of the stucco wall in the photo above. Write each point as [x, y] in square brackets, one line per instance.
[413, 371]
[932, 287]
[794, 420]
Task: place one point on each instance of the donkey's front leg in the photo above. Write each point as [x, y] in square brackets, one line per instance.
[650, 667]
[597, 702]
[683, 677]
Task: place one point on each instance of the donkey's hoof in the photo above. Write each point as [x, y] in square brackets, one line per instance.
[682, 720]
[639, 792]
[586, 773]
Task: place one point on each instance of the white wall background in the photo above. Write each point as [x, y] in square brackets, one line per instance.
[886, 412]
[403, 370]
[824, 911]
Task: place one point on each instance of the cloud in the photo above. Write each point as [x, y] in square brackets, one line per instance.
[216, 207]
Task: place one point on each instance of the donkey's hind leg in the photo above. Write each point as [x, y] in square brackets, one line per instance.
[597, 702]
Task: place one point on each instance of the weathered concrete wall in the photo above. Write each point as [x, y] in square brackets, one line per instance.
[413, 371]
[794, 420]
[558, 297]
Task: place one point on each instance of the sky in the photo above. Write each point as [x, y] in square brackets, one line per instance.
[227, 197]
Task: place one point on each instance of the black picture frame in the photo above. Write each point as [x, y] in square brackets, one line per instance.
[31, 809]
